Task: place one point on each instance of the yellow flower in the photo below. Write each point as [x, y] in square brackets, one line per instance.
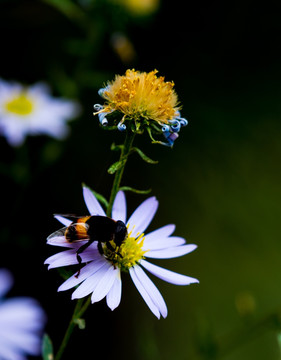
[143, 101]
[141, 95]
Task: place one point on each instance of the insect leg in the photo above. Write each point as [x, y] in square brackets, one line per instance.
[79, 259]
[100, 248]
[111, 248]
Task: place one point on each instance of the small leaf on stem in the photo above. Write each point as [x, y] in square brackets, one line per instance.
[47, 348]
[128, 188]
[80, 323]
[116, 166]
[115, 147]
[144, 157]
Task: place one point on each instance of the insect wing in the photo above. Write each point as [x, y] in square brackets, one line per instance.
[58, 233]
[67, 219]
[60, 237]
[57, 238]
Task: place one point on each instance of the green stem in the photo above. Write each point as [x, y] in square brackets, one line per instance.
[119, 173]
[80, 308]
[78, 312]
[84, 307]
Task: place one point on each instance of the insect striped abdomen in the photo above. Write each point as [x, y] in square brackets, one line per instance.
[77, 230]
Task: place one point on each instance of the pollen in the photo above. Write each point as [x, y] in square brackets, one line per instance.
[20, 105]
[141, 96]
[128, 254]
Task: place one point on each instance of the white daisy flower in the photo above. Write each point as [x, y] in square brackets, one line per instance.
[21, 323]
[32, 111]
[101, 276]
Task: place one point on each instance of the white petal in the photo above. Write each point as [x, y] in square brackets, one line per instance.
[22, 340]
[146, 297]
[113, 297]
[168, 275]
[22, 312]
[87, 286]
[21, 321]
[92, 203]
[69, 257]
[142, 216]
[10, 352]
[171, 252]
[164, 243]
[85, 272]
[91, 282]
[152, 290]
[63, 258]
[6, 281]
[63, 220]
[15, 138]
[119, 208]
[160, 233]
[104, 284]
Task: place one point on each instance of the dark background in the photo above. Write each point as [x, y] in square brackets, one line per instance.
[220, 183]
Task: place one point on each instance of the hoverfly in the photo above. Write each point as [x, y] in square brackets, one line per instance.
[92, 228]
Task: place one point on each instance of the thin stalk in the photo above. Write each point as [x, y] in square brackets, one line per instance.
[80, 308]
[78, 312]
[125, 151]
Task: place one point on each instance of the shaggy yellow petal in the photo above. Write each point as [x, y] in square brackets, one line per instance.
[141, 95]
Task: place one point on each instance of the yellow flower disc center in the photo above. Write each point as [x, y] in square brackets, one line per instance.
[20, 105]
[128, 254]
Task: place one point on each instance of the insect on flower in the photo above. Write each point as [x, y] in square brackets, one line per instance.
[98, 228]
[128, 252]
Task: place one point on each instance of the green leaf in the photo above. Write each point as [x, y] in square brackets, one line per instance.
[47, 348]
[150, 134]
[115, 147]
[144, 157]
[156, 128]
[153, 141]
[116, 166]
[81, 323]
[98, 196]
[128, 188]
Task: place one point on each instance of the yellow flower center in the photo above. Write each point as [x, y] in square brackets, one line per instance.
[20, 105]
[128, 254]
[141, 95]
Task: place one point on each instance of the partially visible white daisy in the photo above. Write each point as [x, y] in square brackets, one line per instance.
[101, 276]
[33, 111]
[21, 323]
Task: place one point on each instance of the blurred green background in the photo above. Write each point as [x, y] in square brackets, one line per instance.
[220, 184]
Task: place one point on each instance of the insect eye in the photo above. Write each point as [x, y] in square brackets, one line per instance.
[120, 232]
